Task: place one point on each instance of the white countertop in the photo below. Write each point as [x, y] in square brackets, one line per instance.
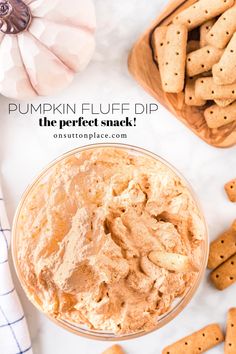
[26, 148]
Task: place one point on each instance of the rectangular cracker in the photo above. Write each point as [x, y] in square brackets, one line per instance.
[208, 90]
[223, 247]
[115, 349]
[198, 342]
[224, 102]
[192, 45]
[225, 275]
[202, 11]
[172, 261]
[224, 72]
[230, 189]
[219, 116]
[204, 29]
[230, 340]
[174, 58]
[159, 37]
[202, 60]
[224, 28]
[190, 97]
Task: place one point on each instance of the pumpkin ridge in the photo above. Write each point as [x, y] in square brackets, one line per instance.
[51, 51]
[26, 71]
[90, 30]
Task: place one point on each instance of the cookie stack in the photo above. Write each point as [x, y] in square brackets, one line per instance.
[222, 259]
[196, 54]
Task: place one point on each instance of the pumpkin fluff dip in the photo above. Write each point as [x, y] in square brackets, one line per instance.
[109, 240]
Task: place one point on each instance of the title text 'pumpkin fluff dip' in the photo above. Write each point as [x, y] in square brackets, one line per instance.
[109, 237]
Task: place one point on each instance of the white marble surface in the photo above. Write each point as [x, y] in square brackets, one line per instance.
[25, 149]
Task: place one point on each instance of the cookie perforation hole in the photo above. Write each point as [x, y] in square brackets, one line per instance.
[203, 334]
[222, 241]
[200, 349]
[232, 325]
[217, 276]
[225, 118]
[217, 339]
[189, 21]
[222, 257]
[186, 343]
[231, 278]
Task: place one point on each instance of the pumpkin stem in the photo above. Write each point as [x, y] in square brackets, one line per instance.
[15, 16]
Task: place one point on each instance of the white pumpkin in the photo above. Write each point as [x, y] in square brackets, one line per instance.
[43, 43]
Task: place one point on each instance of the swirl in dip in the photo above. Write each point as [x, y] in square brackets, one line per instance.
[109, 240]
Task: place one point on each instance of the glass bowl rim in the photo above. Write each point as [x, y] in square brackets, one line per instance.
[102, 335]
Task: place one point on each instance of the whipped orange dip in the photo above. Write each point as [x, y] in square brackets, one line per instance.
[109, 240]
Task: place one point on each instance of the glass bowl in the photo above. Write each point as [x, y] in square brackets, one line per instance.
[178, 305]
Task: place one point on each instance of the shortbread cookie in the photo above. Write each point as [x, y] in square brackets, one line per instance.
[224, 28]
[159, 45]
[223, 247]
[204, 29]
[172, 261]
[115, 349]
[202, 11]
[159, 36]
[208, 90]
[230, 340]
[225, 274]
[190, 97]
[224, 102]
[219, 116]
[198, 342]
[192, 45]
[174, 58]
[202, 60]
[230, 189]
[224, 72]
